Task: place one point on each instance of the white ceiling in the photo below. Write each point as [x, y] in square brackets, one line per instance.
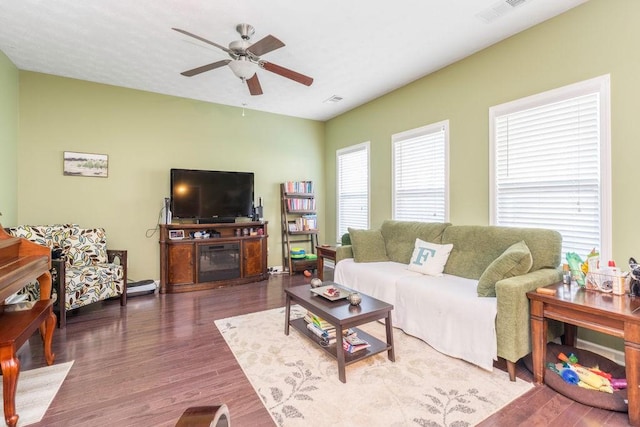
[355, 49]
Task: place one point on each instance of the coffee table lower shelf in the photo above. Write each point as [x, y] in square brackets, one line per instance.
[376, 345]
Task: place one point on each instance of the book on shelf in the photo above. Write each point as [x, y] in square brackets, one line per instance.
[307, 222]
[298, 186]
[329, 336]
[301, 205]
[318, 321]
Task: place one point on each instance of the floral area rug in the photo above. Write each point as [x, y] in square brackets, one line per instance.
[298, 382]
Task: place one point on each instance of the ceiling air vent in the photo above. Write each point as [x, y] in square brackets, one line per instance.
[499, 9]
[333, 99]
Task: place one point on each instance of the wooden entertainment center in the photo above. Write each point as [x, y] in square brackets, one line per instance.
[232, 254]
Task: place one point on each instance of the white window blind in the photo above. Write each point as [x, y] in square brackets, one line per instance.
[548, 166]
[352, 166]
[420, 174]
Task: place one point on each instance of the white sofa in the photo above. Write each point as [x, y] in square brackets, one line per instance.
[447, 311]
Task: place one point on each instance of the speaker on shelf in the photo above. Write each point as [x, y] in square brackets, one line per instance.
[165, 215]
[257, 212]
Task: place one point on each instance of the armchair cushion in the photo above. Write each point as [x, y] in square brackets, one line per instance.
[51, 236]
[89, 284]
[86, 246]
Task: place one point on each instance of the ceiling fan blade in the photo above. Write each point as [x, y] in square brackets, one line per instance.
[202, 40]
[265, 45]
[254, 85]
[208, 67]
[285, 72]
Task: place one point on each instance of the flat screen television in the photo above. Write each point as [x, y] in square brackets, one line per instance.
[211, 196]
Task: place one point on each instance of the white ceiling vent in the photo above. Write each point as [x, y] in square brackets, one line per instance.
[333, 99]
[499, 9]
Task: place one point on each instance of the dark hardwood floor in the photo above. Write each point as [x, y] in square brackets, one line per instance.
[144, 364]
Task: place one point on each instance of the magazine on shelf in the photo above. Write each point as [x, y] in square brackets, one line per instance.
[350, 348]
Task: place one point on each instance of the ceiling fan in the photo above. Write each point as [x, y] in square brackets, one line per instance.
[245, 59]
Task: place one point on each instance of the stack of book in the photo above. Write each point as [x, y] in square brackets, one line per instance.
[320, 327]
[324, 330]
[301, 205]
[298, 187]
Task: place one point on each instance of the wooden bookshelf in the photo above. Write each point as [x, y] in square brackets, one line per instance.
[299, 224]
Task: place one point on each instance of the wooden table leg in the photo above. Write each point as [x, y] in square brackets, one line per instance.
[570, 335]
[49, 327]
[287, 314]
[320, 267]
[632, 370]
[10, 366]
[340, 355]
[538, 340]
[391, 353]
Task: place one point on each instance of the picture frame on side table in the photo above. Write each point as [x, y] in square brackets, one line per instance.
[176, 234]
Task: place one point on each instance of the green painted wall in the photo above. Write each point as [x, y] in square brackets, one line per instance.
[596, 38]
[8, 141]
[144, 135]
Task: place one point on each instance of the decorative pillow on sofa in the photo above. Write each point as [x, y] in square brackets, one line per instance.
[429, 258]
[514, 261]
[367, 245]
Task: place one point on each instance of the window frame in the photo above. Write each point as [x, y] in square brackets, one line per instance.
[363, 146]
[600, 85]
[414, 133]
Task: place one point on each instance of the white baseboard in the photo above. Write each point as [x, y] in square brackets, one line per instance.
[610, 353]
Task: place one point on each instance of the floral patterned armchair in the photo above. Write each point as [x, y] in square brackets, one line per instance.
[85, 271]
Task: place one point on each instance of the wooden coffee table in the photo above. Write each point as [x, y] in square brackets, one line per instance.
[341, 315]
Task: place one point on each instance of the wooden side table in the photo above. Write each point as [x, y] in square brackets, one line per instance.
[328, 252]
[617, 315]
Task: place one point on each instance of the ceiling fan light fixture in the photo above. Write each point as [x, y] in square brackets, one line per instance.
[243, 69]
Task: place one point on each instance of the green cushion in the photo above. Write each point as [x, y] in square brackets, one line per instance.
[367, 245]
[400, 237]
[477, 246]
[514, 261]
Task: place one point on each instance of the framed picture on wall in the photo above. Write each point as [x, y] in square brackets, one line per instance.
[85, 164]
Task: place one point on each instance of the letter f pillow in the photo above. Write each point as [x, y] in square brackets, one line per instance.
[429, 258]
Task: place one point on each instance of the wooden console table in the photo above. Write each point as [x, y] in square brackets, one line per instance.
[617, 315]
[233, 254]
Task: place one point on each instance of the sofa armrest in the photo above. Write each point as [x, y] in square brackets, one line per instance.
[343, 252]
[513, 322]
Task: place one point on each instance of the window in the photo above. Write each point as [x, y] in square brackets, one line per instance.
[420, 174]
[352, 166]
[551, 165]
